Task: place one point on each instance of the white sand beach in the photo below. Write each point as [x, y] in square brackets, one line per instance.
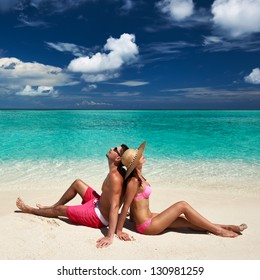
[29, 237]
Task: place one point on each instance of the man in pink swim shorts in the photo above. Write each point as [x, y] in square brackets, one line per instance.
[96, 210]
[87, 214]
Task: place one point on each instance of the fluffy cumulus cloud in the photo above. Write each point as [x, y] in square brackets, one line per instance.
[105, 65]
[177, 9]
[20, 77]
[236, 18]
[253, 77]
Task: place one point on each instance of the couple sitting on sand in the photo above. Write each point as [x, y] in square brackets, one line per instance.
[126, 185]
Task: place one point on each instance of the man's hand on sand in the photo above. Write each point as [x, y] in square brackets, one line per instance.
[124, 236]
[104, 242]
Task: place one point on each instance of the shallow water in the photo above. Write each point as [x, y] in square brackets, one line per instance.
[204, 149]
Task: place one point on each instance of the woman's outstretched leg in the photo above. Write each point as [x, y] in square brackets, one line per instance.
[52, 212]
[182, 222]
[77, 187]
[169, 216]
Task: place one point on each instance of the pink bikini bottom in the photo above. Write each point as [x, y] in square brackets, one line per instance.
[141, 228]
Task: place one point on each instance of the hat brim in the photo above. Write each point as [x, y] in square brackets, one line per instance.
[140, 150]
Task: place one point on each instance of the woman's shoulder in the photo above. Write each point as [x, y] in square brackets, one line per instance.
[133, 180]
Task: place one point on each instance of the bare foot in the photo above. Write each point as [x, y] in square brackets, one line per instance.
[243, 227]
[237, 229]
[22, 206]
[227, 233]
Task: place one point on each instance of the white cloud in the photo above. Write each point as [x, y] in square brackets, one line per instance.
[132, 83]
[38, 91]
[93, 103]
[213, 93]
[15, 75]
[216, 44]
[104, 66]
[208, 40]
[96, 78]
[67, 47]
[179, 10]
[168, 47]
[236, 17]
[127, 6]
[253, 77]
[54, 6]
[122, 51]
[57, 5]
[126, 94]
[25, 21]
[89, 88]
[92, 87]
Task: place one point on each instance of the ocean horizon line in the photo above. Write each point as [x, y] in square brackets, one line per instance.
[158, 109]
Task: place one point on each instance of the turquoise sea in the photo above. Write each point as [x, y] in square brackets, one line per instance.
[204, 149]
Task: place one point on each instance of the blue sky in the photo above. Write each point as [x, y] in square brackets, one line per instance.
[127, 54]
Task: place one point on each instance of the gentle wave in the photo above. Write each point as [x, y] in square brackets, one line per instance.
[207, 175]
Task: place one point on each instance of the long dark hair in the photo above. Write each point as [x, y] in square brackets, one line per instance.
[133, 174]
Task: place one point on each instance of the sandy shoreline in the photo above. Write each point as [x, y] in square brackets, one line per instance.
[29, 237]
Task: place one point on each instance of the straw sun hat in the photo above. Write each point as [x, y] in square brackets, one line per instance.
[131, 157]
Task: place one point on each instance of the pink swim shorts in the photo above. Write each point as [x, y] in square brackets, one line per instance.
[88, 213]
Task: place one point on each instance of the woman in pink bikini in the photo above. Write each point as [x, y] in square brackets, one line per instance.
[179, 215]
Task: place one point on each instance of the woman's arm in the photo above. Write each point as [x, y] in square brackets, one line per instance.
[131, 190]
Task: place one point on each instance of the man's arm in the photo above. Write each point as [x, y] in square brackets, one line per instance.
[114, 199]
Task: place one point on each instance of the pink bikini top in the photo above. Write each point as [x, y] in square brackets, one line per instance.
[145, 194]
